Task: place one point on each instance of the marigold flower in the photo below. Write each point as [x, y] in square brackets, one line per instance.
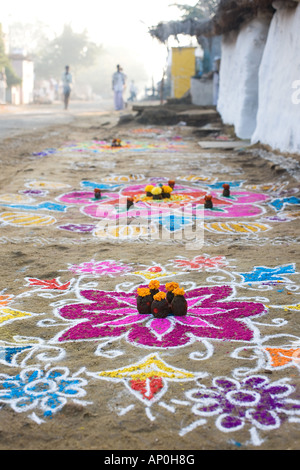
[149, 188]
[170, 286]
[143, 291]
[159, 296]
[156, 190]
[178, 291]
[167, 189]
[153, 284]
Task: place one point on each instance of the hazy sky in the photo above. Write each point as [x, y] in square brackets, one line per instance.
[109, 22]
[102, 18]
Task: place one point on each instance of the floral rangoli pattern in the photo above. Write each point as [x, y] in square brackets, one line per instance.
[114, 314]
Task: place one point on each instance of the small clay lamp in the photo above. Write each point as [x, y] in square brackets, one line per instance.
[116, 143]
[144, 300]
[148, 190]
[226, 190]
[97, 193]
[160, 306]
[179, 303]
[171, 183]
[129, 202]
[170, 286]
[156, 192]
[208, 204]
[154, 287]
[166, 191]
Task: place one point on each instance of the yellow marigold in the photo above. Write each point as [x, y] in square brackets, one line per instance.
[170, 286]
[156, 190]
[167, 189]
[143, 291]
[153, 284]
[159, 296]
[178, 291]
[149, 188]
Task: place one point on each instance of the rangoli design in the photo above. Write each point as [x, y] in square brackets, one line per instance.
[114, 315]
[255, 401]
[44, 391]
[192, 305]
[181, 209]
[148, 379]
[24, 219]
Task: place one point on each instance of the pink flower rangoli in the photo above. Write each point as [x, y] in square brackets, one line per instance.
[109, 315]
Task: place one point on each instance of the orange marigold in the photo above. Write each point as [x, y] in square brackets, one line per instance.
[159, 296]
[154, 284]
[170, 286]
[178, 291]
[143, 291]
[167, 189]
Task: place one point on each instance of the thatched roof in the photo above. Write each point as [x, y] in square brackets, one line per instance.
[229, 16]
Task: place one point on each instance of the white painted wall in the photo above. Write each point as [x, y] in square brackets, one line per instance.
[241, 57]
[226, 104]
[25, 70]
[278, 117]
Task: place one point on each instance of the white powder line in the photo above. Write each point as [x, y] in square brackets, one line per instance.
[36, 419]
[149, 414]
[294, 419]
[180, 402]
[167, 407]
[256, 440]
[125, 410]
[192, 426]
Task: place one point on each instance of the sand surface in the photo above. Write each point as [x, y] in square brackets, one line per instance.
[80, 368]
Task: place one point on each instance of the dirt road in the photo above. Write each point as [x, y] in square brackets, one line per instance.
[81, 368]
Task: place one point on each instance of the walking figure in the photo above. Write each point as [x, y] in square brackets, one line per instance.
[118, 86]
[67, 85]
[133, 91]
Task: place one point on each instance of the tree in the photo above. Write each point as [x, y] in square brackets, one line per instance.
[11, 77]
[70, 48]
[195, 21]
[203, 9]
[30, 37]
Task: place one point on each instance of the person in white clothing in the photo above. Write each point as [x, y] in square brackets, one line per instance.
[118, 86]
[67, 85]
[133, 92]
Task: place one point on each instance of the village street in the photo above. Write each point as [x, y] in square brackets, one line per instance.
[20, 119]
[81, 368]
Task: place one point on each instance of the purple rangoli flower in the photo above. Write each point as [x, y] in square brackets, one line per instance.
[78, 227]
[254, 400]
[114, 314]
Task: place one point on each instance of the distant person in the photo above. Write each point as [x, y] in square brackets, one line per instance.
[133, 91]
[67, 85]
[118, 86]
